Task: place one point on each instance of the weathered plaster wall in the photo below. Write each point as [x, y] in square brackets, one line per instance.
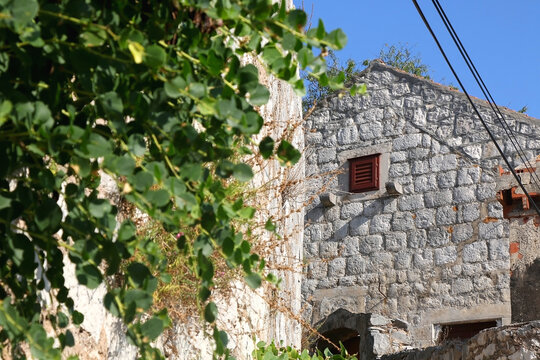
[438, 253]
[245, 314]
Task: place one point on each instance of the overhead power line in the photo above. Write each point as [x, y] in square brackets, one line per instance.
[492, 137]
[472, 68]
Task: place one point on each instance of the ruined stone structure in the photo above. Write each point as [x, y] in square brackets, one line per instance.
[407, 218]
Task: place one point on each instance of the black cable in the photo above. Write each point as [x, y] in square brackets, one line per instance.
[474, 106]
[472, 68]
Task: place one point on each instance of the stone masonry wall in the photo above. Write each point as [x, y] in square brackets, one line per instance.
[437, 253]
[513, 342]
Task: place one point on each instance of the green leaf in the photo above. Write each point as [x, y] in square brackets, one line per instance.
[259, 96]
[175, 87]
[246, 213]
[137, 144]
[110, 304]
[152, 328]
[23, 12]
[77, 317]
[196, 89]
[287, 154]
[63, 320]
[41, 346]
[48, 216]
[269, 225]
[97, 146]
[297, 19]
[4, 202]
[88, 275]
[242, 172]
[337, 38]
[266, 147]
[158, 198]
[155, 56]
[139, 274]
[99, 207]
[210, 312]
[143, 180]
[253, 280]
[111, 102]
[93, 37]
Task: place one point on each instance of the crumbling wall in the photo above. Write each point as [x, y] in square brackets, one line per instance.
[514, 342]
[439, 251]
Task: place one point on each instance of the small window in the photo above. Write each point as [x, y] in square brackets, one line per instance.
[462, 331]
[364, 173]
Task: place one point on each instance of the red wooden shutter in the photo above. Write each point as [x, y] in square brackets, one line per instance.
[364, 173]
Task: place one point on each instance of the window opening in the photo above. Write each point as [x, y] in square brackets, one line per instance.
[462, 331]
[348, 337]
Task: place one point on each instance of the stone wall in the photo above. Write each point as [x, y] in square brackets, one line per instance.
[439, 251]
[514, 342]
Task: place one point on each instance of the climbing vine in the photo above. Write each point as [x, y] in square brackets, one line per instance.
[157, 95]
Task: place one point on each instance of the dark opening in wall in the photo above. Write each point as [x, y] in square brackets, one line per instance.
[348, 337]
[525, 293]
[463, 331]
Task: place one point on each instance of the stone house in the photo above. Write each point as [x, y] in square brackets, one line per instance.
[412, 216]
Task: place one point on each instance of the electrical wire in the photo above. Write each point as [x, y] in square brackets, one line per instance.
[492, 137]
[472, 68]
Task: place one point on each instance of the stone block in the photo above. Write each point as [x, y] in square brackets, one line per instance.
[425, 218]
[402, 221]
[359, 226]
[349, 246]
[398, 156]
[406, 142]
[461, 286]
[485, 192]
[311, 250]
[492, 230]
[328, 249]
[475, 252]
[398, 169]
[423, 260]
[472, 269]
[370, 131]
[446, 180]
[420, 167]
[438, 237]
[443, 162]
[462, 232]
[351, 210]
[336, 267]
[419, 153]
[438, 198]
[389, 205]
[341, 229]
[417, 239]
[395, 241]
[482, 283]
[326, 155]
[424, 183]
[402, 260]
[495, 210]
[320, 232]
[469, 212]
[499, 249]
[446, 215]
[380, 224]
[355, 265]
[317, 270]
[464, 194]
[347, 281]
[370, 244]
[410, 202]
[347, 135]
[372, 207]
[468, 176]
[446, 255]
[381, 260]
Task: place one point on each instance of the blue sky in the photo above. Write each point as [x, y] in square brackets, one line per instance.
[502, 37]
